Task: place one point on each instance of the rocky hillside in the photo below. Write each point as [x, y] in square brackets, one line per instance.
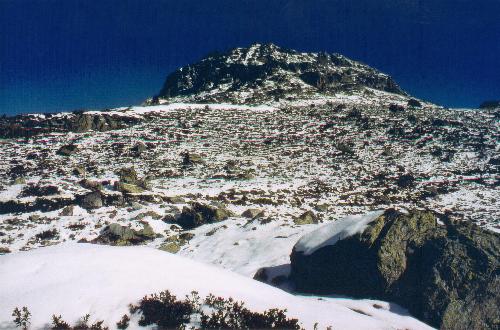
[290, 141]
[264, 73]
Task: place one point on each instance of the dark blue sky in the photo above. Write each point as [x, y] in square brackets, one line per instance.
[66, 54]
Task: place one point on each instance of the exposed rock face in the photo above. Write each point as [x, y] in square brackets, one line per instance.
[39, 190]
[268, 72]
[31, 125]
[115, 234]
[447, 275]
[199, 214]
[43, 204]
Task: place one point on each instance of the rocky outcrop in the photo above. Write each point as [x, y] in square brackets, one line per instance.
[253, 213]
[287, 72]
[78, 122]
[447, 275]
[43, 204]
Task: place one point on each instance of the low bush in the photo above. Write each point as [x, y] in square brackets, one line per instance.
[59, 324]
[230, 314]
[164, 311]
[22, 317]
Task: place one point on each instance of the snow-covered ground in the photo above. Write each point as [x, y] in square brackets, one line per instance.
[75, 279]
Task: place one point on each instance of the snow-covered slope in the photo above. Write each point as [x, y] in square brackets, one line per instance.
[76, 279]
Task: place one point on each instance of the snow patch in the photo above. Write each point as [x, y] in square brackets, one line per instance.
[334, 232]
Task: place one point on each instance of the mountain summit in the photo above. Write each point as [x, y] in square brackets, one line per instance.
[266, 72]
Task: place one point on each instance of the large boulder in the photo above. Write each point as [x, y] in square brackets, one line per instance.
[128, 175]
[115, 234]
[445, 273]
[92, 200]
[199, 214]
[306, 218]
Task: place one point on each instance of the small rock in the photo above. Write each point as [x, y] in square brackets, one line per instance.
[128, 175]
[67, 150]
[174, 200]
[321, 207]
[306, 218]
[191, 159]
[91, 200]
[171, 247]
[253, 213]
[67, 211]
[79, 171]
[19, 180]
[128, 188]
[414, 103]
[139, 148]
[406, 181]
[174, 243]
[261, 275]
[91, 185]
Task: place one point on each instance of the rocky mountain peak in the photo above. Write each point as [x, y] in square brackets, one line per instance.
[266, 72]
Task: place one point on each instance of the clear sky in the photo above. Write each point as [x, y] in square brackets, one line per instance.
[67, 54]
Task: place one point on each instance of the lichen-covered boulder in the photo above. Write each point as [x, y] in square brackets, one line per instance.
[306, 218]
[445, 273]
[92, 200]
[128, 175]
[199, 214]
[127, 188]
[115, 234]
[253, 213]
